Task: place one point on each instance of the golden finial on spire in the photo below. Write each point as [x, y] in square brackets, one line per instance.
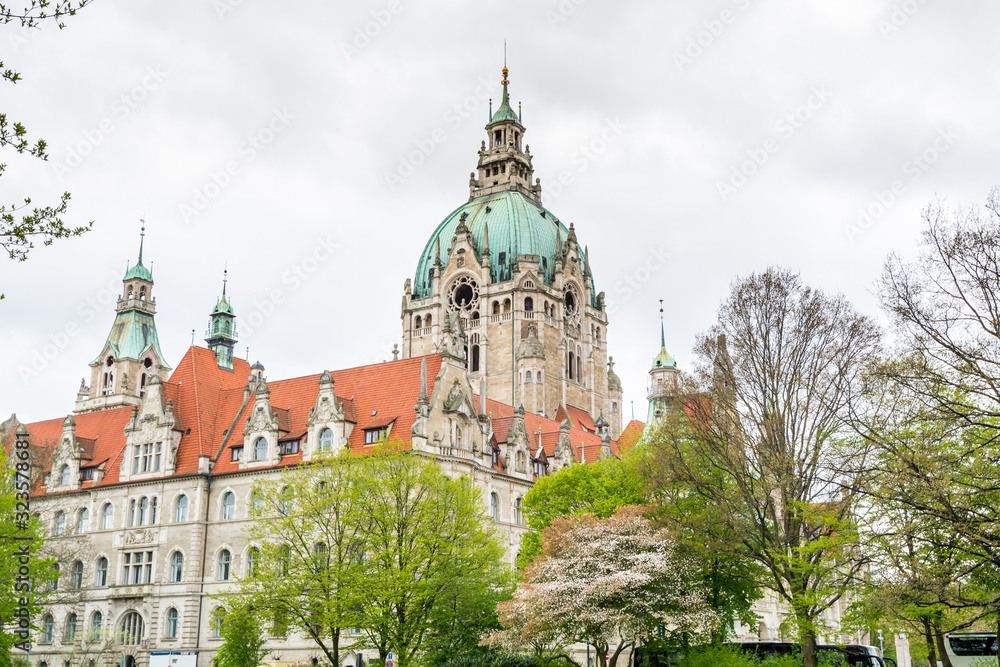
[504, 82]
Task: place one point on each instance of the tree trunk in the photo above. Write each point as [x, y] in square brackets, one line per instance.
[939, 640]
[336, 649]
[929, 640]
[807, 639]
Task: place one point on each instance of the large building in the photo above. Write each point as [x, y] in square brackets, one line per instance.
[144, 489]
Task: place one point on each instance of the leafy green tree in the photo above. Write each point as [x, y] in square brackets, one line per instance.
[425, 533]
[24, 573]
[760, 432]
[306, 569]
[594, 488]
[243, 638]
[20, 223]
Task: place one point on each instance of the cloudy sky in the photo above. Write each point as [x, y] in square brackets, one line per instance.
[314, 147]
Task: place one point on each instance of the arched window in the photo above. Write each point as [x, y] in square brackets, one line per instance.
[506, 305]
[419, 323]
[131, 512]
[131, 629]
[579, 369]
[47, 626]
[107, 516]
[60, 523]
[54, 583]
[228, 506]
[614, 407]
[494, 506]
[76, 577]
[176, 567]
[142, 385]
[529, 304]
[260, 449]
[64, 475]
[496, 307]
[101, 575]
[143, 508]
[597, 333]
[96, 624]
[152, 512]
[172, 623]
[218, 618]
[538, 376]
[284, 560]
[475, 358]
[256, 504]
[285, 502]
[325, 440]
[225, 561]
[83, 521]
[253, 555]
[518, 517]
[572, 364]
[427, 322]
[181, 512]
[142, 293]
[71, 627]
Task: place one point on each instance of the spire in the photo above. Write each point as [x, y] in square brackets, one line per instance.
[437, 253]
[486, 239]
[142, 237]
[504, 112]
[663, 337]
[586, 262]
[423, 380]
[559, 245]
[225, 277]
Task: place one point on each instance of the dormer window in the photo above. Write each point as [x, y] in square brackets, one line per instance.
[236, 454]
[147, 457]
[260, 449]
[374, 435]
[288, 447]
[326, 440]
[64, 475]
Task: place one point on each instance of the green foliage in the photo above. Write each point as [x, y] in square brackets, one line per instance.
[729, 656]
[21, 540]
[487, 658]
[593, 488]
[243, 639]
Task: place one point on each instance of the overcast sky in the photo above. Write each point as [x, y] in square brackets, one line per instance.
[315, 146]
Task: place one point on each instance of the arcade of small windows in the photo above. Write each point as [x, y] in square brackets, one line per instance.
[147, 457]
[143, 512]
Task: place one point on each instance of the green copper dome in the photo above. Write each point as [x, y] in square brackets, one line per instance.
[517, 226]
[139, 271]
[664, 360]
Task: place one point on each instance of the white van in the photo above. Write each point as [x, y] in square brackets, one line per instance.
[965, 647]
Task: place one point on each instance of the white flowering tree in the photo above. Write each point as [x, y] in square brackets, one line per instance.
[609, 583]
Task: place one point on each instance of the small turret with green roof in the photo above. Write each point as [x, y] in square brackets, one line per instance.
[221, 335]
[662, 379]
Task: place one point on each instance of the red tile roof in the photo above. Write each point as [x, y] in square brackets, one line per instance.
[207, 402]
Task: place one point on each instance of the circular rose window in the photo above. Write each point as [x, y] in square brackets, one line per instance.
[463, 294]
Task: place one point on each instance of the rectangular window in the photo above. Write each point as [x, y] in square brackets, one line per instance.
[138, 567]
[288, 447]
[236, 454]
[156, 459]
[87, 473]
[136, 459]
[373, 435]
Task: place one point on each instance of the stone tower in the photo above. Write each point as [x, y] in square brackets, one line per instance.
[221, 334]
[519, 284]
[131, 355]
[662, 379]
